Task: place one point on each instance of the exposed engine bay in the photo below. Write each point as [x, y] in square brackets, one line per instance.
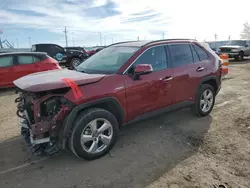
[41, 118]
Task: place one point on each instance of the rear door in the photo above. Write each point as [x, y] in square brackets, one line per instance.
[182, 64]
[25, 65]
[7, 75]
[202, 63]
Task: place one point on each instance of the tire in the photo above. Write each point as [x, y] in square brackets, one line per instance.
[241, 56]
[74, 62]
[93, 146]
[198, 108]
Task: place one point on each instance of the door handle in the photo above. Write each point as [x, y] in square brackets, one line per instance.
[167, 78]
[199, 69]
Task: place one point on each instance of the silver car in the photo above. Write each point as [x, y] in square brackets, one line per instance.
[237, 49]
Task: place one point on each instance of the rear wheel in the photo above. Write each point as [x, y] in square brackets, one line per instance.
[94, 134]
[205, 99]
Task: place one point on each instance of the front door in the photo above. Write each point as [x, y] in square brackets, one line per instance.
[152, 91]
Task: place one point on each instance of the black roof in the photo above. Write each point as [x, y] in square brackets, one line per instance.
[23, 53]
[146, 42]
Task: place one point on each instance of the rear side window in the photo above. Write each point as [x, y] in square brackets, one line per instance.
[180, 54]
[201, 53]
[35, 59]
[195, 55]
[25, 59]
[6, 61]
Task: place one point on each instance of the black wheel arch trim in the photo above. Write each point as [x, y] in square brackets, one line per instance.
[69, 120]
[208, 78]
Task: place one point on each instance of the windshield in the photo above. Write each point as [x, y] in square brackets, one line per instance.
[108, 60]
[236, 43]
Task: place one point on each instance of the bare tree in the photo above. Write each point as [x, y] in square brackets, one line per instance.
[245, 34]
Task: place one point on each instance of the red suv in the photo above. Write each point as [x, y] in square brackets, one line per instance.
[122, 83]
[18, 64]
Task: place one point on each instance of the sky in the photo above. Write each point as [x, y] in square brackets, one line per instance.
[95, 22]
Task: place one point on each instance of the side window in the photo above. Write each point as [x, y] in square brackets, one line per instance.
[180, 54]
[195, 55]
[202, 55]
[6, 61]
[25, 59]
[155, 56]
[35, 59]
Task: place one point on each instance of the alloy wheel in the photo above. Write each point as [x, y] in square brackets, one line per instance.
[206, 101]
[96, 136]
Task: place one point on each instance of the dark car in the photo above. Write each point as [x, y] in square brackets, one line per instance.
[122, 83]
[93, 50]
[68, 58]
[77, 48]
[18, 64]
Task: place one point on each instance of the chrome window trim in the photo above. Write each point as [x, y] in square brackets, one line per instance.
[153, 47]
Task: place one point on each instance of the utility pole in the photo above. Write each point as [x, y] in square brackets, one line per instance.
[112, 40]
[29, 41]
[163, 35]
[104, 41]
[215, 38]
[138, 38]
[17, 43]
[66, 37]
[100, 38]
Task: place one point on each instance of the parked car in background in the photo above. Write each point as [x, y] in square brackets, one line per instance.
[69, 58]
[78, 48]
[19, 64]
[123, 82]
[237, 49]
[93, 50]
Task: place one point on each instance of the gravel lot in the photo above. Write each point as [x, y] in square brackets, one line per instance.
[170, 151]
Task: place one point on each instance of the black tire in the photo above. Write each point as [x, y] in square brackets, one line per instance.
[81, 123]
[241, 56]
[72, 63]
[197, 107]
[237, 58]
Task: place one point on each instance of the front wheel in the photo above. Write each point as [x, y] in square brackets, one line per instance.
[94, 134]
[205, 99]
[74, 63]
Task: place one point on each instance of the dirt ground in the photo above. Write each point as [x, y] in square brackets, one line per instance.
[175, 150]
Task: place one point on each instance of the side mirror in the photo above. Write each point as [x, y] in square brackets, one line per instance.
[246, 45]
[142, 69]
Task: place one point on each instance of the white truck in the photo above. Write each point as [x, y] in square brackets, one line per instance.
[237, 49]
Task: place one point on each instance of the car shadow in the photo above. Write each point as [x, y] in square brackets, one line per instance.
[144, 151]
[7, 91]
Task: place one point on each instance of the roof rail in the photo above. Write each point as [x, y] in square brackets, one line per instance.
[162, 40]
[122, 42]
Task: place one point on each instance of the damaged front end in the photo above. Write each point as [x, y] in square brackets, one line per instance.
[41, 120]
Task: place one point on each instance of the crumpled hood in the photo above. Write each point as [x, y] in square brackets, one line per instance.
[231, 47]
[53, 79]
